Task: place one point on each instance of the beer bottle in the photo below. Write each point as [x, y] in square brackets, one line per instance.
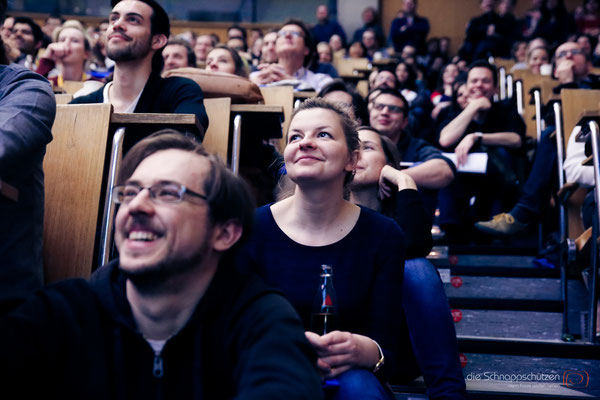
[324, 316]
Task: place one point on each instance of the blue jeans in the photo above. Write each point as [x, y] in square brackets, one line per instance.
[538, 187]
[431, 330]
[361, 384]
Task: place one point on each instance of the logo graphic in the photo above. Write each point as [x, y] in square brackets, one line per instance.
[576, 379]
[463, 360]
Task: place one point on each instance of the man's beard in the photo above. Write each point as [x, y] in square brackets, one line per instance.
[133, 51]
[153, 276]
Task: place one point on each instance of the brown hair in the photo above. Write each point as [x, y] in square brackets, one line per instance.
[228, 196]
[240, 67]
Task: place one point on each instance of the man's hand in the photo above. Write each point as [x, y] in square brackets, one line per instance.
[564, 71]
[340, 351]
[463, 148]
[480, 104]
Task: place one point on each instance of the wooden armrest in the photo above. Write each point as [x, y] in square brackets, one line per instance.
[583, 239]
[566, 191]
[9, 191]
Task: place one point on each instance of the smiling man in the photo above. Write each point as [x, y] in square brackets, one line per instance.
[483, 126]
[171, 318]
[137, 33]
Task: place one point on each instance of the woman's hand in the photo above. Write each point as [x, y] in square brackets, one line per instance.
[340, 351]
[463, 148]
[398, 178]
[56, 51]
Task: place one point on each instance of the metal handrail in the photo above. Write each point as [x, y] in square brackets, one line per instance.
[509, 86]
[502, 83]
[106, 236]
[560, 144]
[236, 145]
[520, 102]
[537, 98]
[595, 131]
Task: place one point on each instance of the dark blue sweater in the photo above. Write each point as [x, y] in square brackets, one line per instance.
[368, 266]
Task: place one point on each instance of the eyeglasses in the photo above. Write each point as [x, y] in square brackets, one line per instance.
[160, 193]
[295, 34]
[572, 52]
[393, 109]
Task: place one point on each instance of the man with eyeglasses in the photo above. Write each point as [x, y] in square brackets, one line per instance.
[171, 317]
[295, 53]
[388, 113]
[572, 66]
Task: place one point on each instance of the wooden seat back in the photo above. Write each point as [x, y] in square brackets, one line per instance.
[573, 102]
[73, 168]
[530, 81]
[216, 139]
[280, 96]
[63, 98]
[346, 66]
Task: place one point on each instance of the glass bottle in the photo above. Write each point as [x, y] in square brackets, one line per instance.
[324, 317]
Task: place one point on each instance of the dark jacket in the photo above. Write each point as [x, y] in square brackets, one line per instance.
[78, 340]
[163, 95]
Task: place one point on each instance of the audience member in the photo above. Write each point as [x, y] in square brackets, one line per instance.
[589, 22]
[236, 31]
[486, 35]
[171, 315]
[378, 185]
[189, 36]
[137, 33]
[556, 23]
[27, 38]
[530, 21]
[325, 28]
[536, 57]
[518, 54]
[225, 59]
[370, 22]
[65, 59]
[389, 114]
[409, 28]
[442, 95]
[337, 44]
[52, 22]
[295, 52]
[27, 109]
[325, 52]
[295, 236]
[178, 54]
[357, 50]
[7, 28]
[339, 92]
[268, 54]
[572, 71]
[204, 44]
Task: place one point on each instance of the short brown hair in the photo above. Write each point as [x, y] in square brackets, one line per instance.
[228, 196]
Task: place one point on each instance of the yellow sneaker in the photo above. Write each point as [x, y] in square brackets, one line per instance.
[501, 224]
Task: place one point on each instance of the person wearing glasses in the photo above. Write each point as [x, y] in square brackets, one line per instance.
[572, 66]
[171, 317]
[388, 113]
[296, 52]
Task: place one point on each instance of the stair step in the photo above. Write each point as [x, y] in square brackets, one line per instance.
[528, 347]
[491, 376]
[508, 324]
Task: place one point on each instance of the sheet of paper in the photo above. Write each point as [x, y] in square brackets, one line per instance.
[476, 162]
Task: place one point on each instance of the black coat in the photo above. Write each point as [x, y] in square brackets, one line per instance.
[78, 340]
